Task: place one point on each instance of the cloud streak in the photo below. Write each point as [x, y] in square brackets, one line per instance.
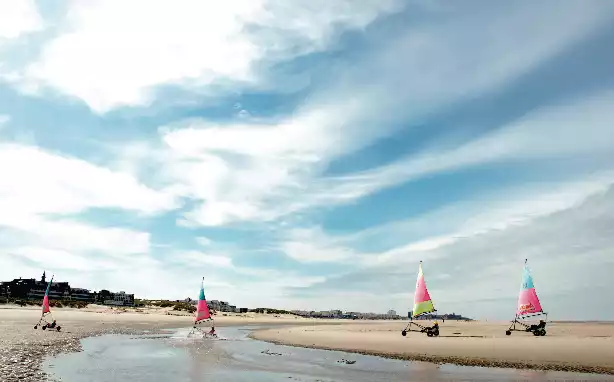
[200, 44]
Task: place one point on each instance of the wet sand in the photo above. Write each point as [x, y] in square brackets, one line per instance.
[574, 347]
[22, 348]
[174, 356]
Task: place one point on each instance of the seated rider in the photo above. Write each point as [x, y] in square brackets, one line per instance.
[542, 324]
[435, 326]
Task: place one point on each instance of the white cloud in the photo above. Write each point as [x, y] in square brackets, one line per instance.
[38, 189]
[41, 182]
[258, 165]
[222, 262]
[74, 236]
[86, 255]
[60, 259]
[258, 170]
[189, 43]
[201, 240]
[18, 18]
[196, 258]
[4, 119]
[313, 245]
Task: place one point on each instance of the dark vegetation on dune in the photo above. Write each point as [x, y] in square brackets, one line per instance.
[52, 303]
[176, 305]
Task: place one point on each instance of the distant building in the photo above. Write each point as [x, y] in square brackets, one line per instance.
[392, 312]
[213, 305]
[302, 313]
[120, 299]
[33, 289]
[81, 294]
[221, 306]
[57, 290]
[336, 313]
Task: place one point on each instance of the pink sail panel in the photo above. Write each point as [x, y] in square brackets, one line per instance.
[422, 294]
[202, 310]
[528, 302]
[46, 304]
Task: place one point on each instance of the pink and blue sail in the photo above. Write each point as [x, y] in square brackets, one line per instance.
[528, 302]
[46, 308]
[202, 310]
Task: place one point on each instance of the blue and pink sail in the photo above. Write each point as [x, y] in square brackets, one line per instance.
[46, 308]
[202, 310]
[528, 302]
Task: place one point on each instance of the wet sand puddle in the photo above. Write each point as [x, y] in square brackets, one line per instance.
[234, 357]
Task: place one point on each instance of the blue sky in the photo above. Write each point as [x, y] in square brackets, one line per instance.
[308, 155]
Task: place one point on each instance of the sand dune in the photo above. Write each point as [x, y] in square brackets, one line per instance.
[585, 347]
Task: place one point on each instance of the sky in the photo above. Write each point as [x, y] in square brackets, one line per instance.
[309, 154]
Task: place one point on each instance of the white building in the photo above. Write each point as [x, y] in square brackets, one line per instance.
[120, 299]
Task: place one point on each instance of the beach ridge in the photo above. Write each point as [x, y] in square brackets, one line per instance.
[461, 361]
[580, 348]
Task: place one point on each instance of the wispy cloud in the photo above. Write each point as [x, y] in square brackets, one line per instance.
[417, 238]
[255, 170]
[262, 173]
[201, 44]
[18, 18]
[578, 128]
[39, 181]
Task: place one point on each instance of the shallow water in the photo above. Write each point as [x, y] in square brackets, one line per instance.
[174, 357]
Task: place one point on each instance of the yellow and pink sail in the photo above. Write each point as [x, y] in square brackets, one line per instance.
[422, 300]
[528, 302]
[202, 310]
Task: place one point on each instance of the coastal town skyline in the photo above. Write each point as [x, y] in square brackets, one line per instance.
[33, 289]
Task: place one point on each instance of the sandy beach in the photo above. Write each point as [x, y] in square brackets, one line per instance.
[574, 347]
[22, 348]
